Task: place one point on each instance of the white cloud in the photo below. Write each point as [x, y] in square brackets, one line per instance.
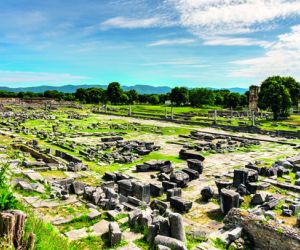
[232, 41]
[179, 62]
[172, 42]
[130, 23]
[232, 16]
[22, 77]
[281, 58]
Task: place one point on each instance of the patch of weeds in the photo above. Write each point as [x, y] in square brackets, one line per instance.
[280, 230]
[219, 244]
[142, 244]
[47, 237]
[192, 242]
[80, 222]
[120, 216]
[124, 226]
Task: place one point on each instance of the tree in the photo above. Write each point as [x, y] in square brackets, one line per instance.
[54, 94]
[202, 96]
[96, 96]
[233, 100]
[132, 96]
[274, 95]
[179, 95]
[81, 94]
[124, 98]
[294, 89]
[114, 93]
[154, 99]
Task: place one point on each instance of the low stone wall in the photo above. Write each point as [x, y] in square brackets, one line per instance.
[242, 129]
[36, 154]
[265, 235]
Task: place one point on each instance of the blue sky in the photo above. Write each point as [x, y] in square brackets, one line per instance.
[193, 43]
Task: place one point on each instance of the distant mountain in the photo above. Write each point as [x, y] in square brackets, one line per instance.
[142, 89]
[238, 90]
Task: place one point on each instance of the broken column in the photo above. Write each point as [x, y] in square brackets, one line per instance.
[177, 227]
[228, 200]
[114, 234]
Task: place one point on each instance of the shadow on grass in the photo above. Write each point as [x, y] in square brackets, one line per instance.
[216, 215]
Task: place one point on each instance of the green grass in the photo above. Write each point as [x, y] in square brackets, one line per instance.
[219, 244]
[47, 237]
[192, 242]
[80, 222]
[142, 244]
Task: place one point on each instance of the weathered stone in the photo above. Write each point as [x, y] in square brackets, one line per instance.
[223, 184]
[159, 205]
[125, 187]
[185, 155]
[173, 192]
[141, 191]
[156, 190]
[78, 187]
[196, 165]
[295, 208]
[177, 227]
[180, 178]
[259, 198]
[180, 205]
[229, 199]
[287, 212]
[242, 190]
[234, 234]
[93, 214]
[114, 234]
[193, 174]
[207, 193]
[109, 176]
[169, 242]
[168, 185]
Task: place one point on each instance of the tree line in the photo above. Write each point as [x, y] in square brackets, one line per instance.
[115, 95]
[277, 94]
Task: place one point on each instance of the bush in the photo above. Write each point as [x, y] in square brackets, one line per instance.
[7, 199]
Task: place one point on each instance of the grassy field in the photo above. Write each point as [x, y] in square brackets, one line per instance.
[201, 115]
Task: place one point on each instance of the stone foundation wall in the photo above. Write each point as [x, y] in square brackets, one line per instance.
[265, 235]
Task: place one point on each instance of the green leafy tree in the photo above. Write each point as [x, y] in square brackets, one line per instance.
[233, 100]
[154, 99]
[294, 89]
[96, 95]
[274, 95]
[114, 93]
[202, 96]
[132, 96]
[81, 94]
[179, 95]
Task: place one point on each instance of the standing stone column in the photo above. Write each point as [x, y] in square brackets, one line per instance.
[253, 119]
[177, 227]
[130, 111]
[166, 112]
[172, 113]
[215, 117]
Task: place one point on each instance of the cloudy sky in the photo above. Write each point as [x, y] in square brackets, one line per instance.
[211, 43]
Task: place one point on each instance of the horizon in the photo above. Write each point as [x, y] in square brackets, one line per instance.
[191, 43]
